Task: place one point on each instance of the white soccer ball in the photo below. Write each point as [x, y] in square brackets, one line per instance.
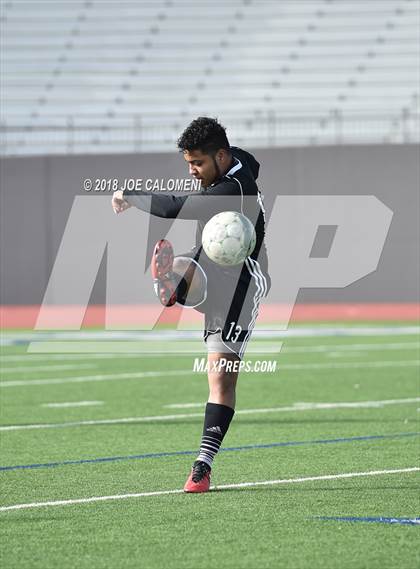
[228, 238]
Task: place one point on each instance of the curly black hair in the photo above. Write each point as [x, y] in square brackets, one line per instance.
[205, 134]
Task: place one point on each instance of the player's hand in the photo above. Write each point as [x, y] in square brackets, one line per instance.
[119, 203]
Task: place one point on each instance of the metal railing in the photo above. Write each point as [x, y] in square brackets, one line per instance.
[266, 129]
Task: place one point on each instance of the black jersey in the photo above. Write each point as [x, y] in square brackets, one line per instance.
[239, 184]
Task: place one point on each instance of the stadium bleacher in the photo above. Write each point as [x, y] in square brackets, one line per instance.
[106, 76]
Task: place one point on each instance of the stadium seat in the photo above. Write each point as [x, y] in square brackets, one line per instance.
[307, 72]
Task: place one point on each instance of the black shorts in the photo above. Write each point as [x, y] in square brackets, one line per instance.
[232, 302]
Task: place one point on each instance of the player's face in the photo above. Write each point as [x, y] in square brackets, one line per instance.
[201, 166]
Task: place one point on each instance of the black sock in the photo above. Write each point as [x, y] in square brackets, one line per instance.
[216, 423]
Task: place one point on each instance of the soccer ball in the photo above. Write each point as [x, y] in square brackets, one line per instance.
[228, 238]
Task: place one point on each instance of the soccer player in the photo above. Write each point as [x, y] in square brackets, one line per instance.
[229, 297]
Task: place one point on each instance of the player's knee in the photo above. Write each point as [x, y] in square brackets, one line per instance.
[184, 267]
[195, 279]
[222, 388]
[223, 374]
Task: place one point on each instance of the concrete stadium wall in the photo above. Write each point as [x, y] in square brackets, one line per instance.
[38, 192]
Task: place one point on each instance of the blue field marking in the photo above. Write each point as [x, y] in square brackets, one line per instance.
[193, 452]
[22, 338]
[400, 521]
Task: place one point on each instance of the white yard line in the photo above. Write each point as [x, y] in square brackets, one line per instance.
[92, 499]
[87, 378]
[301, 406]
[63, 357]
[350, 347]
[146, 374]
[72, 404]
[344, 365]
[344, 354]
[105, 342]
[30, 369]
[183, 405]
[40, 336]
[99, 422]
[331, 348]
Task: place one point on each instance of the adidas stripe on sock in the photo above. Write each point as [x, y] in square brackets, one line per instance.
[216, 423]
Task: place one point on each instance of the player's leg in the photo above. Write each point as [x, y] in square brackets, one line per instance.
[193, 290]
[228, 329]
[220, 406]
[218, 416]
[222, 379]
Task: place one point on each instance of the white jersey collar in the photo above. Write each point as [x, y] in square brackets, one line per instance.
[235, 168]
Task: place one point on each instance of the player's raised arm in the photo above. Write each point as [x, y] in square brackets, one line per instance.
[201, 205]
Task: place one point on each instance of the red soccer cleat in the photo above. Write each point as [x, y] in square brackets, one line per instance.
[199, 479]
[163, 276]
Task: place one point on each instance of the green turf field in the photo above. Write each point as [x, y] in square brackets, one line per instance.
[371, 383]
